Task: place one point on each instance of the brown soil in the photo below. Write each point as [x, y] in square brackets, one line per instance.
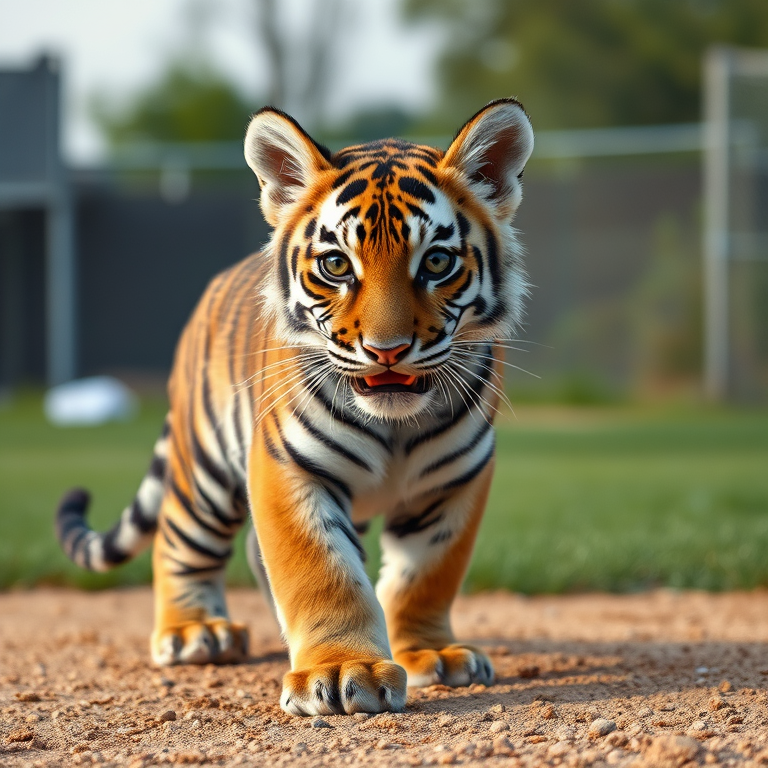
[658, 679]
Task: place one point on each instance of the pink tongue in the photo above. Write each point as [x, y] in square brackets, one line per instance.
[389, 377]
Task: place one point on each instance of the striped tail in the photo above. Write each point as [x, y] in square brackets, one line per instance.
[130, 535]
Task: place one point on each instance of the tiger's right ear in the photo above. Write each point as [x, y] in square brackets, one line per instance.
[283, 157]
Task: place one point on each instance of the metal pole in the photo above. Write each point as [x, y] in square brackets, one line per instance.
[61, 302]
[717, 68]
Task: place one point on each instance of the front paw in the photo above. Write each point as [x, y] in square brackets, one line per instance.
[344, 688]
[453, 665]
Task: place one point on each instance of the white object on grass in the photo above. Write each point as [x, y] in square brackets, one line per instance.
[91, 401]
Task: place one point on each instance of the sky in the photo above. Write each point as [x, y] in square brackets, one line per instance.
[114, 47]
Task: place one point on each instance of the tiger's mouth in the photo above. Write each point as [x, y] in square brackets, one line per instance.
[389, 381]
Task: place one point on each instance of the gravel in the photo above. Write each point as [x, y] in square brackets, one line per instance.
[615, 684]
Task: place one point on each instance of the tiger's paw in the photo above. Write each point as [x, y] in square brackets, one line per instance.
[345, 688]
[453, 665]
[216, 641]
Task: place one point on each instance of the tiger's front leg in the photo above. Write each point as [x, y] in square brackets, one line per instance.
[425, 555]
[332, 622]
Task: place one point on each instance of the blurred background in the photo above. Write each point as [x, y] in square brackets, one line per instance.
[639, 453]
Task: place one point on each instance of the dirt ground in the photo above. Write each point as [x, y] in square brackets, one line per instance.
[657, 679]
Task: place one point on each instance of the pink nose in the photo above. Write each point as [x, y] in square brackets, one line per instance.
[386, 356]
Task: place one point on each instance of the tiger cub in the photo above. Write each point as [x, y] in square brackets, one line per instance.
[347, 370]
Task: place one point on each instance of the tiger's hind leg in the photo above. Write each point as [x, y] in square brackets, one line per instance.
[425, 556]
[192, 546]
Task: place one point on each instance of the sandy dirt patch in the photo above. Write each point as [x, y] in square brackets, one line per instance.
[657, 679]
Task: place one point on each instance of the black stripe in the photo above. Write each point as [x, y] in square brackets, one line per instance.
[284, 278]
[351, 191]
[157, 468]
[140, 519]
[439, 336]
[204, 460]
[191, 570]
[339, 180]
[427, 174]
[209, 412]
[312, 278]
[440, 463]
[493, 257]
[295, 261]
[459, 413]
[309, 230]
[328, 236]
[110, 551]
[329, 443]
[444, 232]
[189, 508]
[338, 525]
[227, 521]
[272, 449]
[350, 214]
[416, 211]
[308, 465]
[407, 526]
[468, 476]
[338, 415]
[463, 223]
[461, 290]
[201, 549]
[416, 188]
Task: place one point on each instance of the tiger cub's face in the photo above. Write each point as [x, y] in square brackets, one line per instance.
[396, 259]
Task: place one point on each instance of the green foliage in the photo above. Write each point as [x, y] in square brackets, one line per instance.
[586, 63]
[190, 103]
[607, 498]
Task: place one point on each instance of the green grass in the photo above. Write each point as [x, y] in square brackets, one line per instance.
[613, 498]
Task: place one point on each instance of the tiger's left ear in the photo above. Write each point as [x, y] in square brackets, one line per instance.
[284, 158]
[490, 152]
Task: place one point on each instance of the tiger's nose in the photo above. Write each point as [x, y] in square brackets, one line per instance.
[386, 356]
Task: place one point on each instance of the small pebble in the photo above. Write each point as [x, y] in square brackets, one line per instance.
[445, 720]
[502, 746]
[548, 712]
[448, 758]
[601, 727]
[499, 726]
[320, 723]
[27, 696]
[559, 749]
[497, 709]
[716, 703]
[167, 716]
[615, 756]
[725, 686]
[384, 744]
[528, 671]
[702, 670]
[672, 750]
[300, 748]
[361, 716]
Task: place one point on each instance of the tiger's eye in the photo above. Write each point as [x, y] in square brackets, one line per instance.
[336, 265]
[437, 262]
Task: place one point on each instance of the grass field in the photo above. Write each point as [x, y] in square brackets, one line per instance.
[611, 498]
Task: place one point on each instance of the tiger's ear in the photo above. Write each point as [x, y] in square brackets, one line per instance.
[284, 158]
[490, 152]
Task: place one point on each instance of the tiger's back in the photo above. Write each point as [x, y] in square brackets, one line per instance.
[348, 370]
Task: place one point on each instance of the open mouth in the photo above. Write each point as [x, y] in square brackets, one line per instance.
[389, 381]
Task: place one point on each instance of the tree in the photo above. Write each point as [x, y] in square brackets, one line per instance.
[190, 103]
[583, 63]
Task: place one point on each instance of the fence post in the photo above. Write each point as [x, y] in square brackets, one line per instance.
[716, 241]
